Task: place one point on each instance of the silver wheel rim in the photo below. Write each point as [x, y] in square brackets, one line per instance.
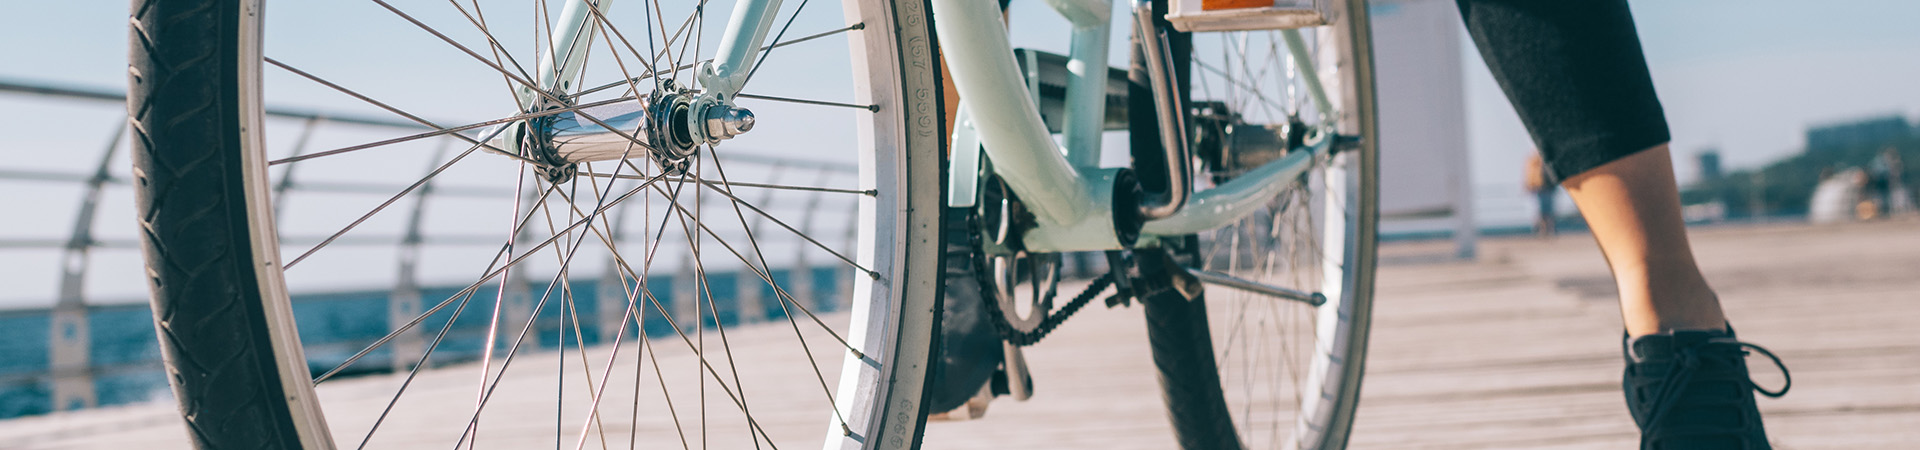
[856, 403]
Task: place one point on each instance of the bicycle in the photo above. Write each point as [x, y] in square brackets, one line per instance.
[1288, 181]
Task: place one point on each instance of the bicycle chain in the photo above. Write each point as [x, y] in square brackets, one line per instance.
[982, 278]
[1047, 325]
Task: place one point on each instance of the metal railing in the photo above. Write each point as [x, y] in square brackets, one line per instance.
[74, 377]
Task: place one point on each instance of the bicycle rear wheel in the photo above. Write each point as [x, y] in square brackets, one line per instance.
[1251, 369]
[209, 189]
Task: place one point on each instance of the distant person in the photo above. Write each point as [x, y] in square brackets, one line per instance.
[1574, 71]
[1887, 183]
[1544, 193]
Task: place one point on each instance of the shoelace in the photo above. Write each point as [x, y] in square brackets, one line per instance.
[1687, 360]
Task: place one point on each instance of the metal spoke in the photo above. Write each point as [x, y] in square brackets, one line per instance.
[682, 212]
[706, 291]
[575, 211]
[454, 130]
[566, 238]
[766, 274]
[609, 238]
[683, 49]
[512, 351]
[382, 105]
[651, 73]
[479, 20]
[869, 108]
[776, 39]
[435, 345]
[710, 370]
[468, 292]
[791, 187]
[396, 197]
[299, 147]
[1263, 98]
[536, 88]
[802, 235]
[601, 17]
[520, 338]
[471, 287]
[768, 277]
[564, 258]
[652, 47]
[699, 21]
[673, 60]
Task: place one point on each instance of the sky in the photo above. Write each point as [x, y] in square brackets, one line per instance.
[1748, 77]
[1744, 76]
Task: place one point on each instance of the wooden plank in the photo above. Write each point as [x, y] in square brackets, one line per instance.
[1519, 350]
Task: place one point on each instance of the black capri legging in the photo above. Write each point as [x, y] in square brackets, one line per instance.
[1574, 71]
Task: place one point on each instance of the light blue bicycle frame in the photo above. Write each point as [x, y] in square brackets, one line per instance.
[1072, 199]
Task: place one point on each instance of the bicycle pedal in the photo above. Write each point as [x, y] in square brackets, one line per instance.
[1186, 284]
[974, 408]
[1014, 378]
[1160, 273]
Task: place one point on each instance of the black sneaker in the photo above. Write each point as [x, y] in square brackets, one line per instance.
[1690, 390]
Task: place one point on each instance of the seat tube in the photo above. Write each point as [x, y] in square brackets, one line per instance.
[1086, 101]
[996, 97]
[1072, 202]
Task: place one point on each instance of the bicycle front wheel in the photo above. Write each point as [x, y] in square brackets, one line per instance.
[1267, 367]
[500, 355]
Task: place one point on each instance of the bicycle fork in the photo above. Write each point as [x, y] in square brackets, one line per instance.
[669, 124]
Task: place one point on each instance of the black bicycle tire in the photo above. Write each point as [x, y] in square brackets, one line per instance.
[184, 114]
[1179, 334]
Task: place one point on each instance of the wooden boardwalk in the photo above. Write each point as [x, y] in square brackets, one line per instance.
[1517, 350]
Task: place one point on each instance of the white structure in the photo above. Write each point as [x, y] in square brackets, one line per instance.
[1424, 179]
[1836, 198]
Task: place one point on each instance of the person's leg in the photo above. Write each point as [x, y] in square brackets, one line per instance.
[1544, 224]
[1574, 71]
[1633, 207]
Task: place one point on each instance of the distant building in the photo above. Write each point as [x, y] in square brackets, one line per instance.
[1709, 161]
[1867, 131]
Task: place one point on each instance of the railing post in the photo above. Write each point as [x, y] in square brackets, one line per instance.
[516, 298]
[517, 310]
[611, 297]
[286, 176]
[686, 296]
[801, 279]
[403, 304]
[610, 302]
[69, 345]
[747, 302]
[843, 295]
